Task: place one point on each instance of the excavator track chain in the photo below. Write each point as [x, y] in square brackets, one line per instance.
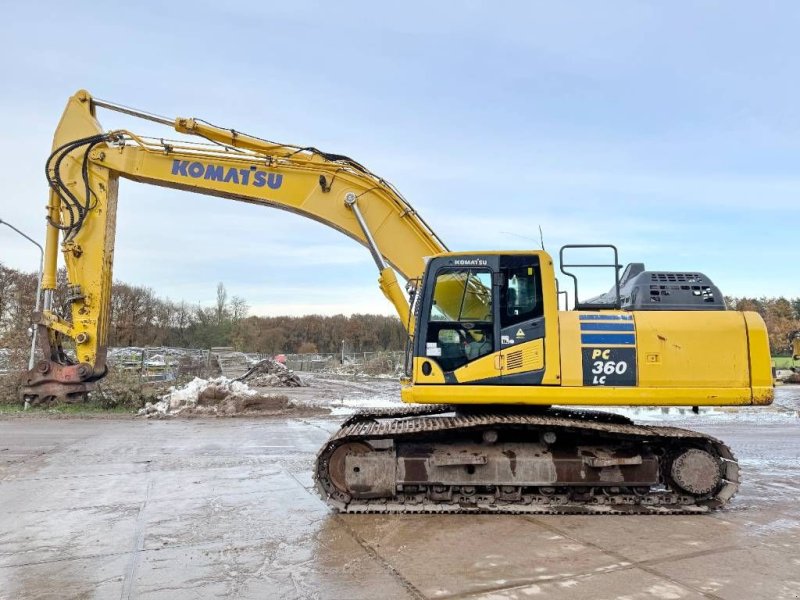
[445, 459]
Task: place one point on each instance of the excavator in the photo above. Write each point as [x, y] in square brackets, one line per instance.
[501, 387]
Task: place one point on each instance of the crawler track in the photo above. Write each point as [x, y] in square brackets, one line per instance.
[438, 429]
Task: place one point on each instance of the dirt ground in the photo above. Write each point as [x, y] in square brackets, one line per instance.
[224, 508]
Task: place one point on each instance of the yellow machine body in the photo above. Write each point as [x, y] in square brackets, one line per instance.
[667, 358]
[670, 358]
[682, 358]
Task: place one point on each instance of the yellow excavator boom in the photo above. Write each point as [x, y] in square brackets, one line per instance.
[87, 163]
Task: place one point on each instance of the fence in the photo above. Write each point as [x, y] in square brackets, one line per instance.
[167, 363]
[322, 362]
[160, 364]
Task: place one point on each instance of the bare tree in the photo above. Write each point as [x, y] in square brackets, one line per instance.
[222, 303]
[239, 309]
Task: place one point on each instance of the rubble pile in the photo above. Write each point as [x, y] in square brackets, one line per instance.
[793, 378]
[271, 373]
[220, 396]
[380, 366]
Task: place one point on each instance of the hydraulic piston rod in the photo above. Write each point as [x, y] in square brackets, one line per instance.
[387, 279]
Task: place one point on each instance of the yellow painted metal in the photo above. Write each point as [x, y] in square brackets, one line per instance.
[76, 122]
[759, 356]
[569, 335]
[89, 255]
[552, 341]
[390, 287]
[684, 358]
[436, 376]
[677, 349]
[56, 324]
[589, 395]
[525, 357]
[484, 367]
[522, 358]
[402, 238]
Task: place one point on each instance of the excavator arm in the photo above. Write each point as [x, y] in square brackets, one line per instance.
[84, 170]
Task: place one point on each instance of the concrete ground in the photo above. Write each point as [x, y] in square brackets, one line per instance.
[224, 508]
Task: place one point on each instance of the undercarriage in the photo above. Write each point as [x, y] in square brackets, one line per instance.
[453, 459]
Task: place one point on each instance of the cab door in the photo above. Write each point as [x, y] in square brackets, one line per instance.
[457, 338]
[520, 315]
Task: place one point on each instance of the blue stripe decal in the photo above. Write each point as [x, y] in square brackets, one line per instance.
[605, 317]
[626, 339]
[607, 327]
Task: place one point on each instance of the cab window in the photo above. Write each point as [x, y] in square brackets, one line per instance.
[522, 299]
[462, 295]
[460, 327]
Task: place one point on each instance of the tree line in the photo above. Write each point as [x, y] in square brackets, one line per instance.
[781, 315]
[140, 318]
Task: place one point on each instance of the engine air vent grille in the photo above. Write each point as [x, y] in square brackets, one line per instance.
[676, 277]
[514, 360]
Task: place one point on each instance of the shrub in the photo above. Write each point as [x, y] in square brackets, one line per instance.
[123, 389]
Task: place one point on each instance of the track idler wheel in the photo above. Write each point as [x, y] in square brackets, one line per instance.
[337, 465]
[696, 471]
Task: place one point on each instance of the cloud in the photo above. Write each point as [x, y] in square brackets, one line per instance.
[675, 140]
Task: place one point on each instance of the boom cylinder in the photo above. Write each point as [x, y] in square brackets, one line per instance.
[51, 245]
[387, 279]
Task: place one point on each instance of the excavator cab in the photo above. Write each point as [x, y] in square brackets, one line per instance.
[481, 319]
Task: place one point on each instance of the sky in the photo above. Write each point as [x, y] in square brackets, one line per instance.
[671, 130]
